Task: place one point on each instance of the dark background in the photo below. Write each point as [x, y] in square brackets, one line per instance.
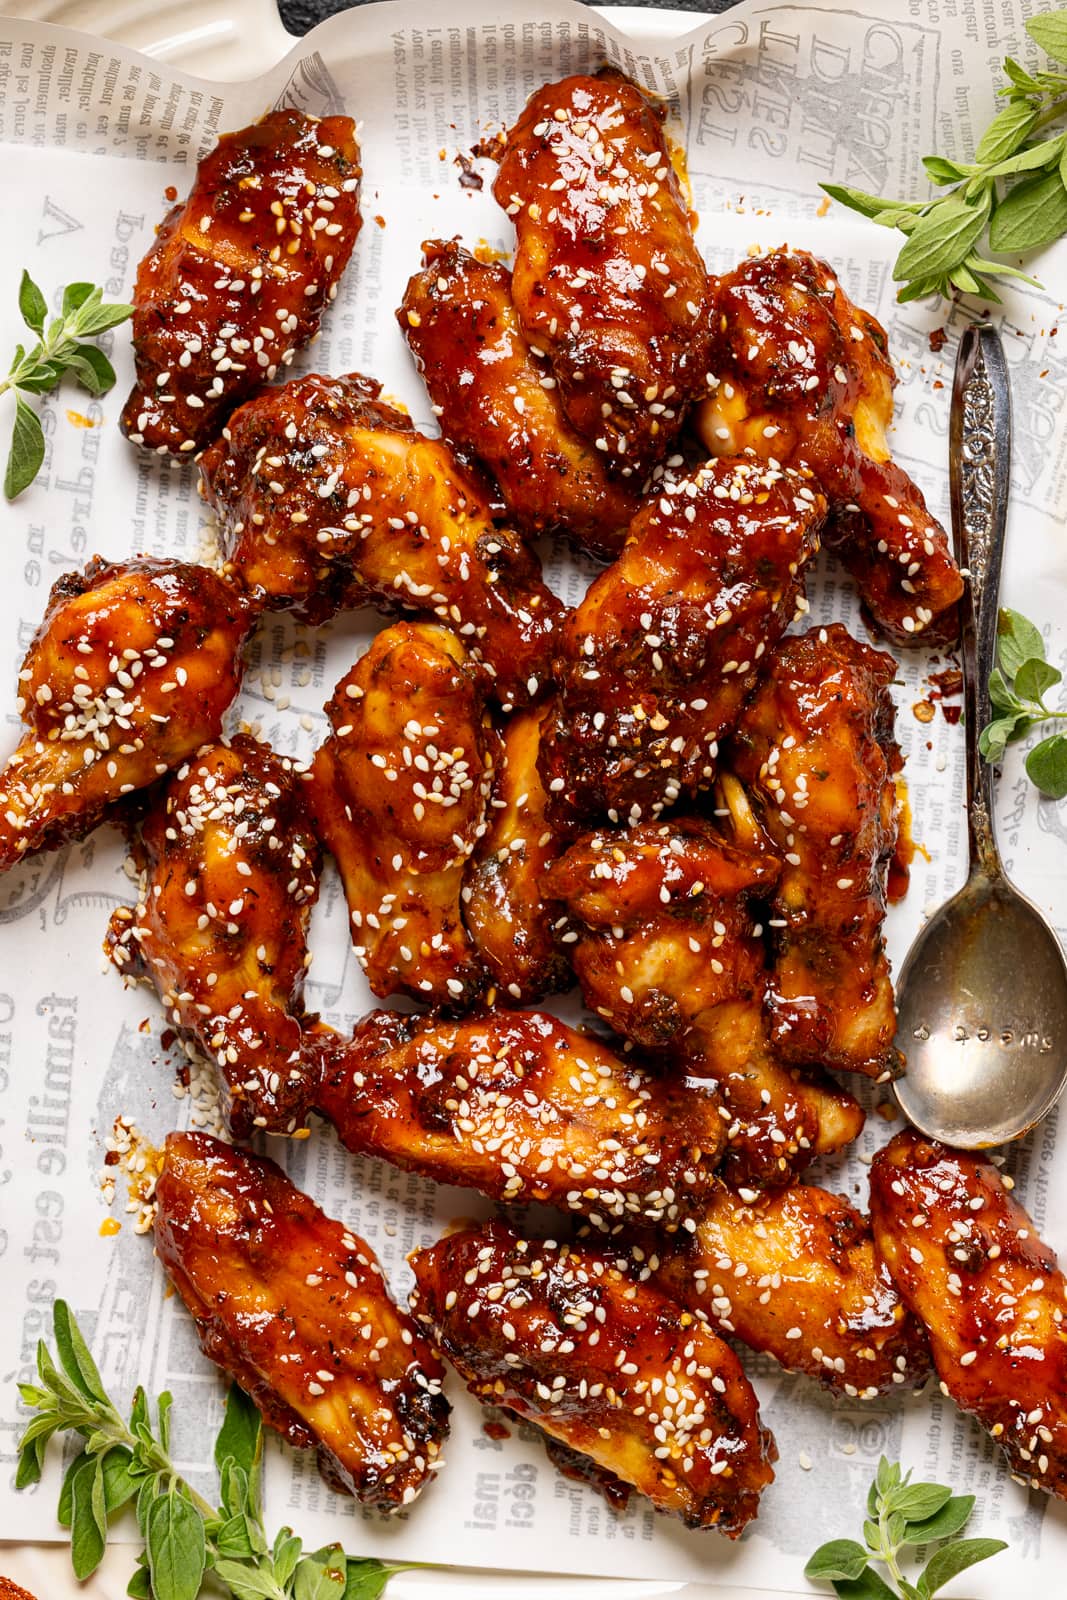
[300, 15]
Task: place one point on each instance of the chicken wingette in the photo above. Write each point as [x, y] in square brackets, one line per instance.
[655, 664]
[518, 1105]
[230, 873]
[608, 282]
[295, 1308]
[794, 1273]
[968, 1262]
[239, 274]
[329, 498]
[399, 793]
[609, 1367]
[129, 674]
[815, 749]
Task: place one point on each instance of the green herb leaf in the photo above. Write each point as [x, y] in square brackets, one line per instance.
[74, 297]
[65, 1509]
[1034, 677]
[32, 304]
[868, 1586]
[1046, 766]
[235, 1538]
[917, 1501]
[942, 171]
[241, 1433]
[321, 1576]
[840, 1558]
[140, 1585]
[27, 450]
[1018, 640]
[120, 1483]
[943, 238]
[78, 1364]
[90, 366]
[247, 1583]
[367, 1578]
[1006, 132]
[286, 1554]
[1050, 32]
[1020, 78]
[868, 205]
[1046, 154]
[1033, 214]
[93, 318]
[177, 1552]
[953, 1559]
[163, 1405]
[88, 1529]
[954, 1515]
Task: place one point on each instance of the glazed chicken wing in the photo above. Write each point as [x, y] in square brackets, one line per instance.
[800, 374]
[608, 281]
[399, 795]
[658, 924]
[329, 498]
[610, 1367]
[129, 673]
[777, 1119]
[967, 1261]
[815, 746]
[239, 275]
[504, 905]
[231, 871]
[523, 1108]
[499, 405]
[296, 1309]
[655, 664]
[795, 1273]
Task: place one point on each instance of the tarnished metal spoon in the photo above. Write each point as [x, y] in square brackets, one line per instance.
[982, 996]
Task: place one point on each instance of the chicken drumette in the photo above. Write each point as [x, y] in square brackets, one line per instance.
[399, 795]
[296, 1309]
[499, 405]
[608, 282]
[815, 747]
[523, 1108]
[129, 673]
[504, 904]
[238, 276]
[795, 1273]
[231, 871]
[800, 374]
[968, 1262]
[329, 498]
[609, 1367]
[655, 664]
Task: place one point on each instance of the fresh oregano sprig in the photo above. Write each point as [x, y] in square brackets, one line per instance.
[59, 349]
[902, 1515]
[1014, 190]
[185, 1537]
[1017, 687]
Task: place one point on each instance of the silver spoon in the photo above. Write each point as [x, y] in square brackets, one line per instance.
[982, 996]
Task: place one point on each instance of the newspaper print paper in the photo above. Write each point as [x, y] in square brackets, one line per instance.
[768, 101]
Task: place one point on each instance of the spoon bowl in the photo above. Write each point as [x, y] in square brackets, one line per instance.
[982, 1018]
[982, 996]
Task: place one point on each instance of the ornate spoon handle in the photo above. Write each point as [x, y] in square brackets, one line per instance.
[979, 480]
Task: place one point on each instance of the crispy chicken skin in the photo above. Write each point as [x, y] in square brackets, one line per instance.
[801, 374]
[815, 747]
[129, 673]
[328, 498]
[399, 793]
[795, 1273]
[654, 666]
[239, 275]
[967, 1261]
[608, 281]
[504, 905]
[777, 1119]
[658, 924]
[518, 1105]
[296, 1309]
[498, 403]
[566, 1339]
[230, 873]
